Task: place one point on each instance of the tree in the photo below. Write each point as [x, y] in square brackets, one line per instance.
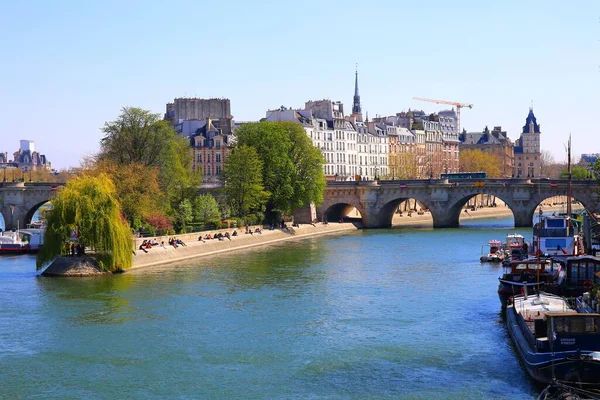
[407, 166]
[185, 214]
[88, 205]
[577, 173]
[139, 137]
[138, 189]
[476, 161]
[293, 167]
[546, 163]
[244, 188]
[206, 208]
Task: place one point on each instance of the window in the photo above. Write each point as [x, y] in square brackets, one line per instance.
[218, 157]
[199, 157]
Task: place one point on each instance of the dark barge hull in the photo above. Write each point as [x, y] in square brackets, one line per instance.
[565, 366]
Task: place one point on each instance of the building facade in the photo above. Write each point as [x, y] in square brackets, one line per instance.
[527, 149]
[494, 142]
[184, 108]
[26, 158]
[210, 148]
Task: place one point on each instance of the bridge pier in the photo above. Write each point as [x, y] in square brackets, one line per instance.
[523, 218]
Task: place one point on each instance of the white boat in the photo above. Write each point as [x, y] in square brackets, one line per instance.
[495, 254]
[21, 241]
[515, 248]
[11, 243]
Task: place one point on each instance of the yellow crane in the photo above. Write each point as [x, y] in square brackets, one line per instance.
[452, 103]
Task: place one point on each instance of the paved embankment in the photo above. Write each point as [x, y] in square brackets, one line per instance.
[195, 248]
[425, 220]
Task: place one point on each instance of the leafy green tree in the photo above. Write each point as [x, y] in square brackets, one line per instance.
[242, 174]
[577, 173]
[185, 214]
[139, 137]
[88, 205]
[138, 189]
[292, 167]
[206, 208]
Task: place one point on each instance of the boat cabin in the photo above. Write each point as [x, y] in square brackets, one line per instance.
[531, 271]
[571, 331]
[581, 273]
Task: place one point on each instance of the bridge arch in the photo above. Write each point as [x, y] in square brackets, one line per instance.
[385, 214]
[2, 222]
[459, 206]
[342, 211]
[31, 212]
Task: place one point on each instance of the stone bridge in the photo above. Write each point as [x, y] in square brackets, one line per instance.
[377, 200]
[19, 201]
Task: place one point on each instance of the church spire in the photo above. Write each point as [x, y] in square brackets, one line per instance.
[356, 105]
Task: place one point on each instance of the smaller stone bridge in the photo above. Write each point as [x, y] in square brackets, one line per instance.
[20, 200]
[377, 200]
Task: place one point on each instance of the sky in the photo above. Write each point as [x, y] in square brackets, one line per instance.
[70, 66]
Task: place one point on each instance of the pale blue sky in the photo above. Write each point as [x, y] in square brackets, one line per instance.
[68, 66]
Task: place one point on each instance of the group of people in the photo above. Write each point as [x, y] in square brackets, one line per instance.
[148, 244]
[218, 236]
[74, 249]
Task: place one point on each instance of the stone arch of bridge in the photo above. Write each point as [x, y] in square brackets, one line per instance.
[341, 210]
[458, 207]
[542, 200]
[386, 213]
[2, 222]
[31, 212]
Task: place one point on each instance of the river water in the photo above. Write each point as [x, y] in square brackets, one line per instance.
[379, 314]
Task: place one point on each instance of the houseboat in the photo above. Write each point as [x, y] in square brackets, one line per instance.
[581, 274]
[554, 341]
[530, 273]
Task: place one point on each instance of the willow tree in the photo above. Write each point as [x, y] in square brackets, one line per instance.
[88, 206]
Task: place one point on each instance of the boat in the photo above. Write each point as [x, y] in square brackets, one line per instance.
[495, 254]
[560, 391]
[557, 236]
[554, 341]
[515, 248]
[581, 274]
[532, 273]
[11, 243]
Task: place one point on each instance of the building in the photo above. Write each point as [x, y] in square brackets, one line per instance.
[210, 148]
[26, 158]
[495, 142]
[194, 108]
[527, 149]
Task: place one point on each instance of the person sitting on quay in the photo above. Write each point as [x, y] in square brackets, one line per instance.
[227, 235]
[143, 247]
[200, 239]
[180, 242]
[258, 230]
[234, 233]
[162, 244]
[172, 242]
[154, 242]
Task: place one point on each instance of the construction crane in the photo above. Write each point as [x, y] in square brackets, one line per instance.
[452, 103]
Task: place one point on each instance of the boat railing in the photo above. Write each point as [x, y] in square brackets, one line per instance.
[526, 330]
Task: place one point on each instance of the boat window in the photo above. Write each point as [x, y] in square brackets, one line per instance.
[561, 325]
[555, 223]
[591, 325]
[556, 244]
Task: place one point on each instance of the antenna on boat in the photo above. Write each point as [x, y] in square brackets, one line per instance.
[569, 188]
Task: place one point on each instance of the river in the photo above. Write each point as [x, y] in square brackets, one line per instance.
[375, 314]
